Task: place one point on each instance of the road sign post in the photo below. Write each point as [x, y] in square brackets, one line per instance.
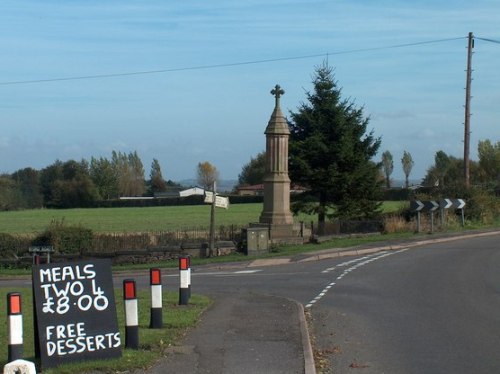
[443, 205]
[417, 206]
[431, 206]
[460, 204]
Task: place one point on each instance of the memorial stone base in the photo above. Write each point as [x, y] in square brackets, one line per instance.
[284, 234]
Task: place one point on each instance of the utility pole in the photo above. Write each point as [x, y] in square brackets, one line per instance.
[212, 222]
[470, 46]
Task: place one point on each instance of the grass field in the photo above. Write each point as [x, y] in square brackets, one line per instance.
[148, 219]
[129, 219]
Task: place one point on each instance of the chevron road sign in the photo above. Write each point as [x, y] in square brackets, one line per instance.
[458, 203]
[431, 205]
[417, 205]
[445, 203]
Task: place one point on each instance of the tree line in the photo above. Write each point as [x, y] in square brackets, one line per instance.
[447, 170]
[73, 183]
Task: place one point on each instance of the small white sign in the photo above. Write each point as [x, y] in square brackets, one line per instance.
[220, 201]
[209, 197]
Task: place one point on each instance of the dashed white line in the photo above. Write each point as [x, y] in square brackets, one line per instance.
[359, 262]
[347, 263]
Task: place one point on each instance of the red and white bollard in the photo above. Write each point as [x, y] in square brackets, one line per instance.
[15, 326]
[156, 321]
[131, 314]
[184, 280]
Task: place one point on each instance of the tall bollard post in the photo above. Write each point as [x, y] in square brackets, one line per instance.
[131, 314]
[156, 321]
[184, 280]
[15, 326]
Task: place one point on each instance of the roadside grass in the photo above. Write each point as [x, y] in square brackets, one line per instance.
[153, 342]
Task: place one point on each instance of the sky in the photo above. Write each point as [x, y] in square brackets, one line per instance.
[189, 81]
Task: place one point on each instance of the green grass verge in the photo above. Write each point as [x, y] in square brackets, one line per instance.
[153, 342]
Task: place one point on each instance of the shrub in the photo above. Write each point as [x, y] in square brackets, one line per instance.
[66, 239]
[12, 245]
[397, 223]
[482, 206]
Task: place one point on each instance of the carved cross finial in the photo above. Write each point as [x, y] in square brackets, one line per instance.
[277, 91]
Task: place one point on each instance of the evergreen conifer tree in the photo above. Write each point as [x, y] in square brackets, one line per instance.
[331, 153]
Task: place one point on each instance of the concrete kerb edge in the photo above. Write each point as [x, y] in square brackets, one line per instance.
[309, 364]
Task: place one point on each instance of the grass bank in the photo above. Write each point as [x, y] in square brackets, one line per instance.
[153, 342]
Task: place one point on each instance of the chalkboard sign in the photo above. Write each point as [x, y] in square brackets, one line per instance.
[75, 312]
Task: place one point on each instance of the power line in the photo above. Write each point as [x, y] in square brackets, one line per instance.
[488, 40]
[232, 64]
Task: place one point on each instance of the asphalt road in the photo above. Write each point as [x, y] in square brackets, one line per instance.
[432, 309]
[429, 309]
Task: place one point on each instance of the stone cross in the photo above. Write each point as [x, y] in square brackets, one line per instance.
[277, 91]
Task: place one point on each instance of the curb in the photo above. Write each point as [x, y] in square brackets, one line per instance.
[309, 364]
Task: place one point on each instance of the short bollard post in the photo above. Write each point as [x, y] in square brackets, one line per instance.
[15, 339]
[131, 314]
[184, 280]
[156, 299]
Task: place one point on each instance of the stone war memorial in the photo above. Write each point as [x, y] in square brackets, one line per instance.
[276, 213]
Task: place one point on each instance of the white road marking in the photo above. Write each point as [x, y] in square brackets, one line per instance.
[247, 271]
[359, 262]
[347, 263]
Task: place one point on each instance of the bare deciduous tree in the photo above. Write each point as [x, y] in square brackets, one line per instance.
[207, 174]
